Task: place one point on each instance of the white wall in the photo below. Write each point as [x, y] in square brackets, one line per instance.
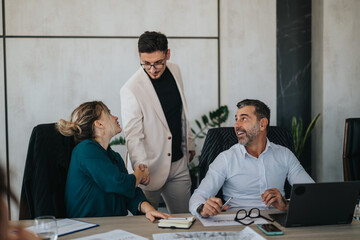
[111, 17]
[335, 80]
[2, 112]
[64, 52]
[2, 102]
[316, 84]
[248, 53]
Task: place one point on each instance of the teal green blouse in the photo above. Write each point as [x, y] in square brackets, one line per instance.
[98, 184]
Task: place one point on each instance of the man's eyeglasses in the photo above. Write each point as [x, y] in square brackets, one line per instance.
[157, 66]
[253, 213]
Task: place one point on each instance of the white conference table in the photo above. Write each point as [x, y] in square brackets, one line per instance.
[139, 225]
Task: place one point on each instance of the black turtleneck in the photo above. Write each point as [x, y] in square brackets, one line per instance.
[170, 99]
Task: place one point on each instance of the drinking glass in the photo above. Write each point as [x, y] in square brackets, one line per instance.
[357, 210]
[46, 227]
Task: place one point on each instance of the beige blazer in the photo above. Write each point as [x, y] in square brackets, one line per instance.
[148, 137]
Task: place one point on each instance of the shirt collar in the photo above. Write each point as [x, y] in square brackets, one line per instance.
[244, 152]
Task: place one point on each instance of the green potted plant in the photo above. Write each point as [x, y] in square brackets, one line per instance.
[297, 133]
[212, 119]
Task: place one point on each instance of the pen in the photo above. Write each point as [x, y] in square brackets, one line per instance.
[176, 218]
[226, 203]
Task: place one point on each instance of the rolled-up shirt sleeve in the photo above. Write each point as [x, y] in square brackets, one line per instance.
[210, 185]
[297, 173]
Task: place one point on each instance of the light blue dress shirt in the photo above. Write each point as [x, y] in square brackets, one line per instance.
[245, 177]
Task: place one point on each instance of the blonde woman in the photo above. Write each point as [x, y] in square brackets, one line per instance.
[98, 183]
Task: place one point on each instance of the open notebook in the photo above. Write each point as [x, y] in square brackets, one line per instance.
[176, 222]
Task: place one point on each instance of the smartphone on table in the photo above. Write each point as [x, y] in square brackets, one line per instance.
[270, 229]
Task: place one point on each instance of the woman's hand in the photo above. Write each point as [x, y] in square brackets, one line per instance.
[151, 213]
[144, 181]
[140, 174]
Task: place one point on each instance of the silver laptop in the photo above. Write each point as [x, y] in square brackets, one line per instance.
[320, 204]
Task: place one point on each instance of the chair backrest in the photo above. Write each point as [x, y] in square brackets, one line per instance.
[221, 139]
[47, 164]
[351, 153]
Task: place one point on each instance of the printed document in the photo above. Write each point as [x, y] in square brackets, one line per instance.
[228, 220]
[246, 234]
[113, 235]
[67, 226]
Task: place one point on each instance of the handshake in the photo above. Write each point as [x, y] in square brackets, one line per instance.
[142, 174]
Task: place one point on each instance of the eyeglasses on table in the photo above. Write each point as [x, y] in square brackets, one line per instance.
[253, 213]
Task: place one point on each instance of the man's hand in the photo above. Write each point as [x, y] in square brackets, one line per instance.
[212, 207]
[273, 197]
[140, 175]
[144, 181]
[191, 155]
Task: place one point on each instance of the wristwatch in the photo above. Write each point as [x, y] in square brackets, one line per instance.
[200, 208]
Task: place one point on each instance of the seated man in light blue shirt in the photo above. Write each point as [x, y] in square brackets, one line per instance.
[252, 172]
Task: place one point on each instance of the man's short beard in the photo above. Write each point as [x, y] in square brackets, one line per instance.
[251, 135]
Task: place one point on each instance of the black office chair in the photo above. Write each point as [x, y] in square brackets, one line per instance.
[47, 164]
[223, 138]
[351, 153]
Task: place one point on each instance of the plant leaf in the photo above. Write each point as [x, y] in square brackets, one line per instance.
[205, 119]
[310, 128]
[212, 124]
[118, 141]
[198, 124]
[297, 132]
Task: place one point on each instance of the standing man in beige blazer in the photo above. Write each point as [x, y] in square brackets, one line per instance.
[155, 118]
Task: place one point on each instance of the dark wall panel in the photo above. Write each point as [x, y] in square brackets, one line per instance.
[294, 65]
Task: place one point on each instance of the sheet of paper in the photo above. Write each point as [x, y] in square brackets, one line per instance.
[113, 235]
[67, 226]
[228, 220]
[246, 234]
